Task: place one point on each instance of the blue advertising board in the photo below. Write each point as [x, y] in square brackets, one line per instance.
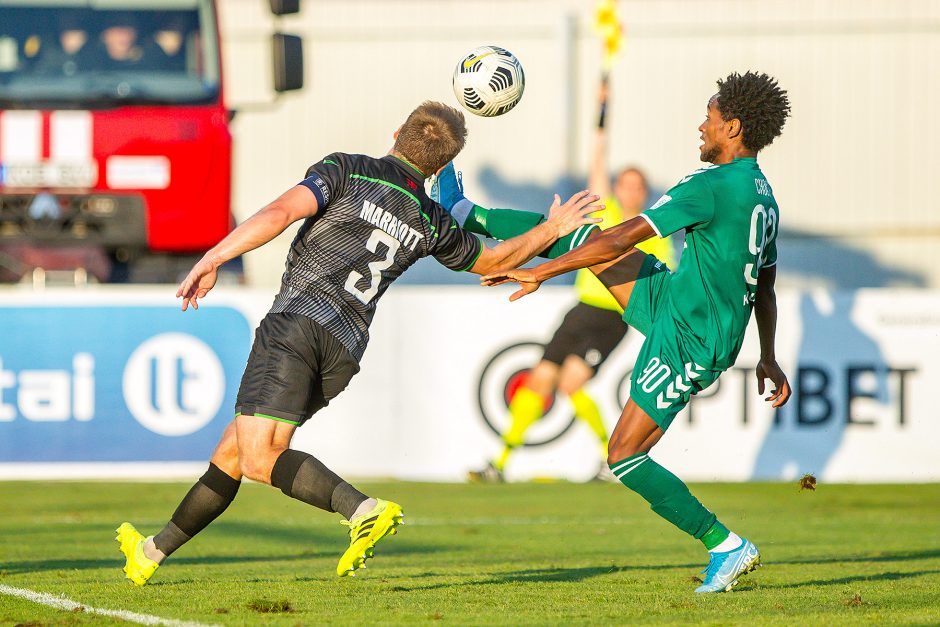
[117, 383]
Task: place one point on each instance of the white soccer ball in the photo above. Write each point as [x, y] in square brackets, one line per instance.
[489, 81]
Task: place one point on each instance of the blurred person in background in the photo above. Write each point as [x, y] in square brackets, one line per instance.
[62, 55]
[168, 41]
[120, 47]
[592, 329]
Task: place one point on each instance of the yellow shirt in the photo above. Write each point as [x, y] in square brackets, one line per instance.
[590, 290]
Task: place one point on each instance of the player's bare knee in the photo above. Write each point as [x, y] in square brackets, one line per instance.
[618, 451]
[226, 458]
[543, 378]
[256, 467]
[247, 468]
[628, 440]
[570, 385]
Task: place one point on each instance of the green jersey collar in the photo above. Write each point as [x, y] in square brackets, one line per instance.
[407, 163]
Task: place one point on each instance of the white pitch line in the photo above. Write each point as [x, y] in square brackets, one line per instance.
[63, 603]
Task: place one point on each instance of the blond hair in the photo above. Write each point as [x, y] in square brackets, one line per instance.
[432, 135]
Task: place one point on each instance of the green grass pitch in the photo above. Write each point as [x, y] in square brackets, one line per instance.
[470, 554]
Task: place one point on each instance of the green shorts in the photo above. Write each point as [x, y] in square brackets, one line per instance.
[664, 377]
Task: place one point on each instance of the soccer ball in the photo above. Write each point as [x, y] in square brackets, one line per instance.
[489, 81]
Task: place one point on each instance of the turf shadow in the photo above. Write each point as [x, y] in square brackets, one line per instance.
[900, 556]
[305, 543]
[532, 575]
[35, 566]
[890, 576]
[579, 574]
[244, 531]
[334, 540]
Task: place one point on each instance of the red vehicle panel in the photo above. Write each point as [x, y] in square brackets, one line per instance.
[113, 131]
[192, 212]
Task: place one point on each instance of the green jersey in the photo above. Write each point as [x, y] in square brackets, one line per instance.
[730, 219]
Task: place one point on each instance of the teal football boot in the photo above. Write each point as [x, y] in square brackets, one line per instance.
[725, 568]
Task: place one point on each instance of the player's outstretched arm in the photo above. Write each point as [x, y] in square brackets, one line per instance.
[294, 204]
[502, 224]
[603, 248]
[562, 220]
[765, 311]
[599, 176]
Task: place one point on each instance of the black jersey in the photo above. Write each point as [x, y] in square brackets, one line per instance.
[374, 221]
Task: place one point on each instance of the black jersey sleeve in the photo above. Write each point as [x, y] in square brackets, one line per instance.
[327, 178]
[454, 247]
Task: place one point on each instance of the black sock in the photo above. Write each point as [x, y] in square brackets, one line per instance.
[301, 476]
[347, 499]
[204, 502]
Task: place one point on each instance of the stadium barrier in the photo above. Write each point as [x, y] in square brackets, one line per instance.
[112, 382]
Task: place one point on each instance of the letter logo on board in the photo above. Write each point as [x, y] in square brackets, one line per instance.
[173, 384]
[502, 376]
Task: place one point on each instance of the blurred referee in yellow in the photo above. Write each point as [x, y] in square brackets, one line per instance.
[592, 328]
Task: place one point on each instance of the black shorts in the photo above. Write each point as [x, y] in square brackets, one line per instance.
[588, 332]
[294, 370]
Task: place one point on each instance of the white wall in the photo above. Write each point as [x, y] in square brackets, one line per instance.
[856, 163]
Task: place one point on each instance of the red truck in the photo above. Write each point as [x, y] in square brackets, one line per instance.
[115, 148]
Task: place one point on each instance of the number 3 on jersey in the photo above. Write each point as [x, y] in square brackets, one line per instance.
[375, 267]
[763, 230]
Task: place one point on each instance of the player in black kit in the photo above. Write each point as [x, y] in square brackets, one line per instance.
[366, 220]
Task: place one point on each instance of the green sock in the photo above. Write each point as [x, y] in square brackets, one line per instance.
[717, 534]
[570, 241]
[504, 224]
[670, 498]
[476, 221]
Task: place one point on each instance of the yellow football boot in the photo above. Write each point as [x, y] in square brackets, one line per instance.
[365, 531]
[139, 567]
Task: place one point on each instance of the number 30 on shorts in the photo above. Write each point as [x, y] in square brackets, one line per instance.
[655, 373]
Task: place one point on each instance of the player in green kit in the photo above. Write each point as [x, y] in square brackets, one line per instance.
[694, 318]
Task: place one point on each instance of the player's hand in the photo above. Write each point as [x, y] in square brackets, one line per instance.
[197, 283]
[603, 90]
[768, 369]
[574, 213]
[525, 278]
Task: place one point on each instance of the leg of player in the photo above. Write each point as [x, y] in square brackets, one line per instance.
[204, 502]
[633, 437]
[525, 409]
[501, 224]
[575, 373]
[620, 275]
[637, 431]
[264, 456]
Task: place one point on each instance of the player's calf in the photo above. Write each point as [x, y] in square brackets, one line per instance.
[303, 477]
